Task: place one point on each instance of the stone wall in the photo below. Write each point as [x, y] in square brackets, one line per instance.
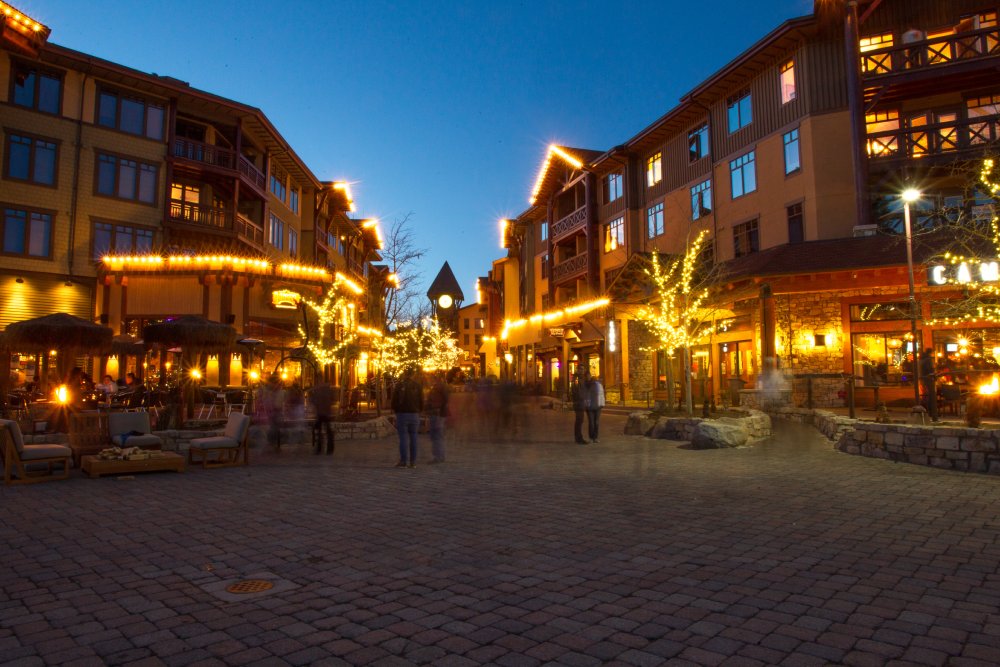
[967, 449]
[640, 361]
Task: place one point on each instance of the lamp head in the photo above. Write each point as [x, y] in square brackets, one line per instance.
[911, 195]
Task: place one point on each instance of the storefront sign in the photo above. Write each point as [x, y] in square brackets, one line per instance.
[285, 299]
[963, 272]
[557, 332]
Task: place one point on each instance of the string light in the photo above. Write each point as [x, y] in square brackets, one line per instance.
[554, 151]
[218, 262]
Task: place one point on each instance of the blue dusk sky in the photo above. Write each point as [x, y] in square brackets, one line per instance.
[437, 110]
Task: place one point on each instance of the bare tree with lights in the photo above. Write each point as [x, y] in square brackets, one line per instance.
[401, 255]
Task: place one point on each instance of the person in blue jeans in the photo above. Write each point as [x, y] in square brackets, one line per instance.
[408, 403]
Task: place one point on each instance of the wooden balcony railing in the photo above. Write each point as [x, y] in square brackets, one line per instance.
[198, 151]
[965, 134]
[356, 268]
[247, 230]
[223, 158]
[201, 214]
[569, 224]
[965, 46]
[570, 268]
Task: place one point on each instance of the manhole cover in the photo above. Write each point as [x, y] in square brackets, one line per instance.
[249, 586]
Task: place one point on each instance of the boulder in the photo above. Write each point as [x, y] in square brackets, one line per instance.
[639, 423]
[718, 435]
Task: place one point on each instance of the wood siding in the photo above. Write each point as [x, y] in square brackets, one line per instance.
[826, 77]
[42, 295]
[897, 17]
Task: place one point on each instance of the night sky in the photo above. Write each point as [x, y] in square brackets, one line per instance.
[437, 110]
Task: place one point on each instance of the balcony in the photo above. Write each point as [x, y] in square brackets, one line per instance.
[216, 220]
[220, 159]
[569, 224]
[950, 137]
[928, 53]
[571, 268]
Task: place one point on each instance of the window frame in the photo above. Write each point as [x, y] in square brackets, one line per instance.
[278, 178]
[293, 242]
[749, 230]
[293, 200]
[614, 234]
[28, 211]
[32, 158]
[698, 143]
[699, 194]
[786, 143]
[652, 212]
[800, 214]
[270, 232]
[139, 164]
[544, 230]
[115, 225]
[783, 70]
[38, 72]
[748, 158]
[613, 194]
[735, 103]
[654, 169]
[119, 96]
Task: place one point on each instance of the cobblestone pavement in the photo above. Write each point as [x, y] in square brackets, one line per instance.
[527, 551]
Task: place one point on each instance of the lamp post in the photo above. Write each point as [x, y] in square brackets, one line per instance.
[911, 195]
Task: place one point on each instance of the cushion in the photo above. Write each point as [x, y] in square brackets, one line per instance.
[32, 452]
[236, 427]
[126, 422]
[147, 440]
[215, 442]
[15, 433]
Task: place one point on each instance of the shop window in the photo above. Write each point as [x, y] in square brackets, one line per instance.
[879, 312]
[882, 358]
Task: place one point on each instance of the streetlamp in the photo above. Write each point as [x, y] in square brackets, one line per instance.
[911, 195]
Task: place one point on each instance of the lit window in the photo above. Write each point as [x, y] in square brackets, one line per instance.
[31, 159]
[654, 169]
[614, 234]
[27, 232]
[743, 175]
[612, 188]
[793, 161]
[787, 82]
[698, 143]
[745, 240]
[882, 128]
[130, 114]
[740, 111]
[654, 220]
[876, 53]
[701, 199]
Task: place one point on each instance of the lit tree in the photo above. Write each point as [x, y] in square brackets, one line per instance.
[678, 315]
[427, 346]
[336, 335]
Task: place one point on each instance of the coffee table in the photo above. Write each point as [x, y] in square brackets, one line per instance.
[95, 466]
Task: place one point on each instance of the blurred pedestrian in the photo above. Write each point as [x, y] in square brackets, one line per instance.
[273, 405]
[437, 414]
[595, 397]
[578, 396]
[295, 403]
[408, 403]
[321, 399]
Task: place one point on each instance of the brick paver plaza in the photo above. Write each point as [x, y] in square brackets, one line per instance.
[527, 552]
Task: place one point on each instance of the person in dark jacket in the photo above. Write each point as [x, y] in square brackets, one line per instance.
[579, 396]
[321, 398]
[408, 403]
[437, 414]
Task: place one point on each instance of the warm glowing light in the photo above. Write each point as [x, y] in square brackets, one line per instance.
[508, 357]
[554, 151]
[346, 189]
[445, 301]
[963, 342]
[112, 367]
[340, 278]
[393, 279]
[212, 370]
[911, 195]
[236, 370]
[253, 375]
[62, 394]
[504, 223]
[991, 388]
[195, 374]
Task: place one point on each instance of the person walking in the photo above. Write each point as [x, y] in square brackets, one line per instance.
[407, 403]
[578, 395]
[437, 414]
[927, 377]
[274, 407]
[321, 398]
[595, 397]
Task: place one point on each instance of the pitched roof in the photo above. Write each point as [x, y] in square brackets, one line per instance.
[445, 283]
[576, 158]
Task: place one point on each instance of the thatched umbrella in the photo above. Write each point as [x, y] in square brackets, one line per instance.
[195, 335]
[68, 334]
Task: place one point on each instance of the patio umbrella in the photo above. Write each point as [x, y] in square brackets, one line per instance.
[68, 334]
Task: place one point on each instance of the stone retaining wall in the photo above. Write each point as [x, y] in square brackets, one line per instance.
[970, 449]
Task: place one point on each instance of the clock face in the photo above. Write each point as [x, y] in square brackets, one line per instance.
[445, 301]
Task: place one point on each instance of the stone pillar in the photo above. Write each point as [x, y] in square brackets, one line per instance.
[768, 328]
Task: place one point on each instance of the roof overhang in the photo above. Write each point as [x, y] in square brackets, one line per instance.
[546, 179]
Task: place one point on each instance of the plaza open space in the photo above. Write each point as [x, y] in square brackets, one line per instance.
[522, 549]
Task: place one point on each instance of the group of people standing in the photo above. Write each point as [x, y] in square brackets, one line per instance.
[409, 403]
[587, 394]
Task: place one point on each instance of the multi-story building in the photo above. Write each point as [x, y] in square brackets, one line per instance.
[471, 331]
[793, 157]
[130, 197]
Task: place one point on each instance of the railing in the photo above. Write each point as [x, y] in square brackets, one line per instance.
[935, 138]
[971, 45]
[198, 151]
[248, 230]
[201, 214]
[570, 223]
[356, 268]
[572, 266]
[252, 174]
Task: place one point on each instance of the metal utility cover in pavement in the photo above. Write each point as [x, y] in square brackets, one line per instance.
[249, 586]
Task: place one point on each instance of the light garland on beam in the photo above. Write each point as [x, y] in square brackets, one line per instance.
[578, 309]
[504, 223]
[368, 331]
[554, 151]
[218, 262]
[341, 279]
[20, 20]
[345, 187]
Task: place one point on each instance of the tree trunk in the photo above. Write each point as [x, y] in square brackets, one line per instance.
[688, 402]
